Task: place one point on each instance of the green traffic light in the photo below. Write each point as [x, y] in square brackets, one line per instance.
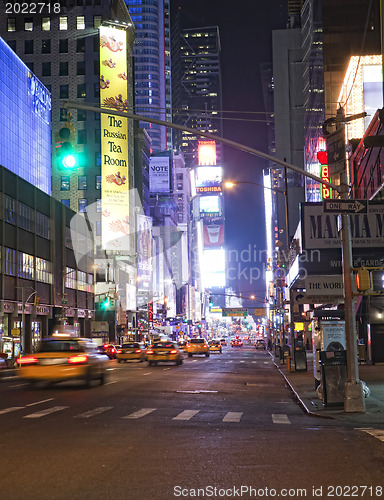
[106, 303]
[69, 161]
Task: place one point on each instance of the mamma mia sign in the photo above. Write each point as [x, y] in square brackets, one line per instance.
[321, 230]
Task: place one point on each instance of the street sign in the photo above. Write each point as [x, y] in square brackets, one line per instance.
[64, 301]
[260, 311]
[345, 206]
[234, 312]
[310, 298]
[335, 143]
[329, 285]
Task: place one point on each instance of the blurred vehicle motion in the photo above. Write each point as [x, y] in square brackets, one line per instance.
[108, 349]
[237, 342]
[164, 351]
[214, 346]
[131, 351]
[59, 359]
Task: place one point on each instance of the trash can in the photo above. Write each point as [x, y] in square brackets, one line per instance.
[333, 365]
[277, 350]
[286, 353]
[300, 356]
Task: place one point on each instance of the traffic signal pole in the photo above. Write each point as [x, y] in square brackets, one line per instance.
[354, 401]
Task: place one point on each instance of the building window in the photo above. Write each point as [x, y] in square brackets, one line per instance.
[180, 207]
[70, 278]
[81, 115]
[96, 90]
[82, 205]
[96, 67]
[43, 270]
[64, 91]
[83, 182]
[80, 45]
[28, 46]
[179, 177]
[97, 135]
[96, 44]
[81, 67]
[24, 217]
[26, 266]
[42, 225]
[98, 205]
[96, 21]
[82, 136]
[180, 197]
[63, 68]
[98, 182]
[80, 23]
[28, 24]
[180, 186]
[10, 209]
[98, 159]
[46, 69]
[98, 228]
[11, 24]
[63, 23]
[66, 203]
[63, 114]
[30, 66]
[180, 217]
[64, 184]
[45, 24]
[63, 46]
[46, 47]
[81, 90]
[10, 261]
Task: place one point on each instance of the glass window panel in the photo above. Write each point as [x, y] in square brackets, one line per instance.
[65, 183]
[11, 24]
[45, 24]
[63, 46]
[28, 24]
[82, 205]
[80, 23]
[63, 23]
[83, 182]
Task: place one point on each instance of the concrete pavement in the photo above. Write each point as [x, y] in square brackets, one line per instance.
[302, 385]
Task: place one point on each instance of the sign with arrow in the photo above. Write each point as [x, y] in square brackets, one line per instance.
[345, 206]
[238, 311]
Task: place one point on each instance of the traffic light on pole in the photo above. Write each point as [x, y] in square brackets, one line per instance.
[106, 303]
[210, 299]
[362, 280]
[36, 300]
[66, 153]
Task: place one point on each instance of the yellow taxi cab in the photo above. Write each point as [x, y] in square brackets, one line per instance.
[215, 346]
[131, 351]
[183, 345]
[197, 346]
[62, 358]
[164, 351]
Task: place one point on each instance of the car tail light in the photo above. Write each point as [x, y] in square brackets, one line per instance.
[119, 351]
[173, 351]
[138, 351]
[27, 360]
[78, 359]
[150, 351]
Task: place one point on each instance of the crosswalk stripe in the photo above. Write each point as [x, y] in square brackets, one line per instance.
[12, 408]
[254, 362]
[140, 413]
[377, 433]
[93, 412]
[242, 361]
[233, 416]
[186, 415]
[280, 418]
[43, 413]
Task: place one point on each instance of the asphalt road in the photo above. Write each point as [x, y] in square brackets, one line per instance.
[219, 427]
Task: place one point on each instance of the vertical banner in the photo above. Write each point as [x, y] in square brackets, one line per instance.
[144, 252]
[114, 138]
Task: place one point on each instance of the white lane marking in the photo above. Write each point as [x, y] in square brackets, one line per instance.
[167, 368]
[112, 382]
[39, 402]
[266, 362]
[17, 385]
[194, 360]
[12, 408]
[140, 413]
[186, 415]
[233, 416]
[242, 361]
[254, 362]
[280, 418]
[148, 373]
[95, 411]
[43, 413]
[377, 433]
[230, 361]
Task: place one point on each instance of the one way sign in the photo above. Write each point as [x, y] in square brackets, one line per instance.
[345, 206]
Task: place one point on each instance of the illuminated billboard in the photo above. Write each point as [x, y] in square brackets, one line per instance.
[114, 137]
[144, 252]
[210, 206]
[361, 91]
[213, 233]
[209, 176]
[207, 153]
[213, 268]
[159, 174]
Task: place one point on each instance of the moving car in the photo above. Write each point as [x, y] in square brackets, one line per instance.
[223, 342]
[131, 351]
[59, 359]
[261, 344]
[108, 349]
[197, 346]
[164, 351]
[215, 346]
[183, 345]
[237, 342]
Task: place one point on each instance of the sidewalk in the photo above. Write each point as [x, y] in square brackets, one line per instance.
[302, 385]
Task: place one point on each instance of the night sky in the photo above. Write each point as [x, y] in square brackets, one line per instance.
[246, 41]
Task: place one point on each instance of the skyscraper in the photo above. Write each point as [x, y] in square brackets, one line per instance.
[152, 66]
